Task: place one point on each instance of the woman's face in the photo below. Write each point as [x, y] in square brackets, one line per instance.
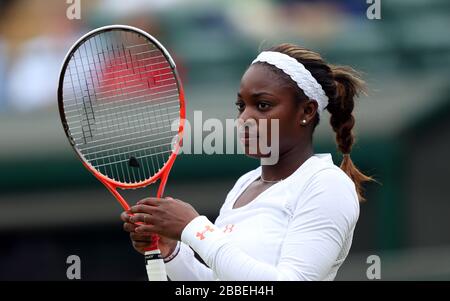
[264, 95]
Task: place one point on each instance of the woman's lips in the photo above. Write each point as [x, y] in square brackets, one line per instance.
[247, 135]
[246, 139]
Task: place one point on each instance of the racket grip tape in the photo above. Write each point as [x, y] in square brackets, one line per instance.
[154, 263]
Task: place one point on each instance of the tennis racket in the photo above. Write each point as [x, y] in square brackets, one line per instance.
[122, 108]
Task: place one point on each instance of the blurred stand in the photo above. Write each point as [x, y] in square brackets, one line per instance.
[2, 75]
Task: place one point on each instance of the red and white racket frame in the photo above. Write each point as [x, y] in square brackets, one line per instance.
[154, 262]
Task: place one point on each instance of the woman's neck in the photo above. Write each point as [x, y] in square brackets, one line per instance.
[288, 162]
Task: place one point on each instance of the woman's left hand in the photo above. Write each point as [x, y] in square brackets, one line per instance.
[167, 217]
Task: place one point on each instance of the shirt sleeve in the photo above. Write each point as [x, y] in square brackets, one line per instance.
[185, 267]
[324, 218]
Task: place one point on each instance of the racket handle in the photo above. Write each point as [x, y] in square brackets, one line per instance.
[156, 271]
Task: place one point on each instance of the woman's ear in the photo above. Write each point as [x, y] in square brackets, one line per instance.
[307, 112]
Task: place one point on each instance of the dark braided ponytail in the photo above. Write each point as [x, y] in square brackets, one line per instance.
[348, 86]
[341, 84]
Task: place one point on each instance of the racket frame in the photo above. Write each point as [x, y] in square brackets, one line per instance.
[112, 184]
[154, 262]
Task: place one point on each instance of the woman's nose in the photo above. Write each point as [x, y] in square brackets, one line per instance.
[246, 115]
[247, 123]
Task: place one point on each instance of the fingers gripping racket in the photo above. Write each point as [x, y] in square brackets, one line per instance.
[122, 107]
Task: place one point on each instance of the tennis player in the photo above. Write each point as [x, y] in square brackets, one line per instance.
[290, 221]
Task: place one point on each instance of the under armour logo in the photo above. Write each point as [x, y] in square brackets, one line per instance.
[201, 235]
[228, 228]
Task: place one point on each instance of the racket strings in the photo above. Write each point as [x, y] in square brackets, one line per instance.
[120, 99]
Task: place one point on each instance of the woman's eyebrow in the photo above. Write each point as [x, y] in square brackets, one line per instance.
[258, 94]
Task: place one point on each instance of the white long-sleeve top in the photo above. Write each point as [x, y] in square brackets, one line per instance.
[298, 229]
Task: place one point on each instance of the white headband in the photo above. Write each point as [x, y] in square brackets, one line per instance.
[298, 73]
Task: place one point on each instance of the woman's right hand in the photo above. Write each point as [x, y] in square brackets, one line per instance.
[142, 240]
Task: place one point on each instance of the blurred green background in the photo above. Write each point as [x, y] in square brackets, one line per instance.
[51, 207]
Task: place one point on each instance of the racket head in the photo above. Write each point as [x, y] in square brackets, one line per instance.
[119, 93]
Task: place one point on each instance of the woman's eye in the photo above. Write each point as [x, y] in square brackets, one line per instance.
[263, 106]
[240, 106]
